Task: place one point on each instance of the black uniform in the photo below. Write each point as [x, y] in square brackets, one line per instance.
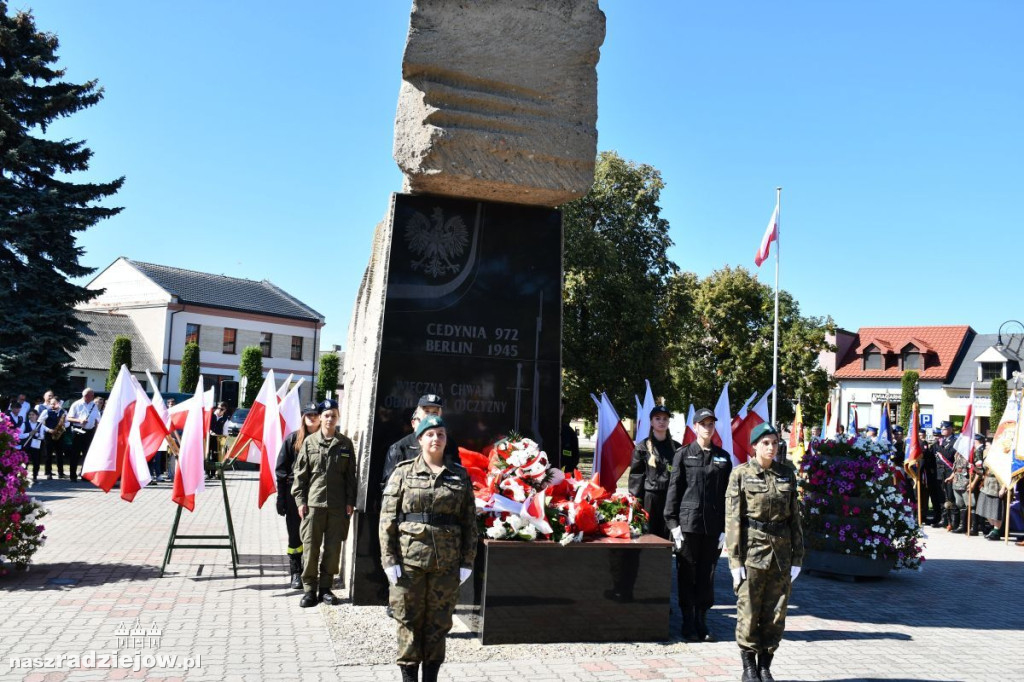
[649, 475]
[695, 503]
[945, 455]
[570, 449]
[286, 506]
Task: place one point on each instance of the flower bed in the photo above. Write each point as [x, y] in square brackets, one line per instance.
[21, 534]
[520, 497]
[852, 503]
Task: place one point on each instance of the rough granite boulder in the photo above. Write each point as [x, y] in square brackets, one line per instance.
[499, 99]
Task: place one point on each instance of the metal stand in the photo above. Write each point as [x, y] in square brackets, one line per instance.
[173, 544]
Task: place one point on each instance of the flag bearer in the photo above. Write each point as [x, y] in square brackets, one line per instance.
[325, 494]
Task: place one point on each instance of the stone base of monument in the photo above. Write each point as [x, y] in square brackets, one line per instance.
[606, 590]
[845, 566]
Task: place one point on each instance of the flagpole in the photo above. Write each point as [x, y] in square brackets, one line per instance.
[775, 341]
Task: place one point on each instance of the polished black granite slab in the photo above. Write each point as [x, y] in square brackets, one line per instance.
[606, 590]
[472, 313]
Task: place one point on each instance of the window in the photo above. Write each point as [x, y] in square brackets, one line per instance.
[265, 340]
[912, 358]
[872, 358]
[229, 341]
[296, 348]
[991, 370]
[191, 333]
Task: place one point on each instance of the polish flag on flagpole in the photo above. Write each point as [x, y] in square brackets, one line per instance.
[690, 434]
[912, 461]
[723, 416]
[833, 424]
[291, 411]
[189, 475]
[771, 233]
[533, 512]
[179, 411]
[643, 414]
[263, 430]
[158, 401]
[758, 414]
[614, 446]
[128, 435]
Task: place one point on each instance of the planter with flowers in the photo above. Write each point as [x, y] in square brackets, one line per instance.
[21, 534]
[856, 519]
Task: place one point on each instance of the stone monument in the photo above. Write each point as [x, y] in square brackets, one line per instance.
[496, 126]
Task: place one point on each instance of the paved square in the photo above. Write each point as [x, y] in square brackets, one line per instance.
[961, 618]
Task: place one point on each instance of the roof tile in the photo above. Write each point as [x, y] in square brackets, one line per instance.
[945, 341]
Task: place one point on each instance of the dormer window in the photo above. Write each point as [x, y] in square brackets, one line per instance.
[873, 358]
[990, 370]
[912, 358]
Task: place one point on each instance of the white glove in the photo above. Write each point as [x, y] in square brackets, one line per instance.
[721, 541]
[677, 537]
[794, 571]
[738, 575]
[393, 573]
[464, 574]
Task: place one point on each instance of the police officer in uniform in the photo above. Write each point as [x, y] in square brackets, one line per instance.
[651, 469]
[325, 494]
[766, 549]
[286, 506]
[945, 456]
[695, 517]
[428, 538]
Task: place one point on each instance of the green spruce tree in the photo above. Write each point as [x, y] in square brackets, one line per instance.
[250, 368]
[42, 209]
[998, 392]
[120, 354]
[328, 379]
[907, 400]
[189, 368]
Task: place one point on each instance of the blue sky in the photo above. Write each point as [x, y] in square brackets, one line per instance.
[256, 140]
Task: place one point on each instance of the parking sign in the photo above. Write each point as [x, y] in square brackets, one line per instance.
[926, 421]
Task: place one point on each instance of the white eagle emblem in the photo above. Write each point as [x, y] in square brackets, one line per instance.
[437, 242]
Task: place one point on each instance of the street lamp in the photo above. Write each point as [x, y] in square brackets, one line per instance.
[1000, 346]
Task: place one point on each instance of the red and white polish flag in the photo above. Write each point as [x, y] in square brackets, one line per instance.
[190, 474]
[128, 435]
[771, 234]
[533, 512]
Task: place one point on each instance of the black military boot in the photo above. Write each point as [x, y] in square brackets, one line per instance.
[764, 664]
[702, 627]
[430, 670]
[309, 599]
[959, 521]
[409, 672]
[749, 667]
[689, 626]
[295, 568]
[328, 597]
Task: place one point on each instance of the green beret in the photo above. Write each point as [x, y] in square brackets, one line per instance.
[760, 431]
[431, 421]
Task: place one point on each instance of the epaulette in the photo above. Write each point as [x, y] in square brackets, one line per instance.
[405, 463]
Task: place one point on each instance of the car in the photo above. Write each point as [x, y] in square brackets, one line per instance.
[237, 419]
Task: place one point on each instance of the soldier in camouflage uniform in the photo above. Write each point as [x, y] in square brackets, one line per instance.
[325, 493]
[428, 539]
[766, 548]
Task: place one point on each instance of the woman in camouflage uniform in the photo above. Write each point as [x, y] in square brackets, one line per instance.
[428, 539]
[766, 548]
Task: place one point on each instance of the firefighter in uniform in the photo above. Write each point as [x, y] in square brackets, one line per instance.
[695, 517]
[286, 506]
[325, 494]
[651, 469]
[765, 544]
[428, 538]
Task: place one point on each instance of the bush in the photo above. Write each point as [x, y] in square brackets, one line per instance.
[909, 397]
[250, 373]
[329, 371]
[998, 392]
[21, 534]
[189, 368]
[120, 354]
